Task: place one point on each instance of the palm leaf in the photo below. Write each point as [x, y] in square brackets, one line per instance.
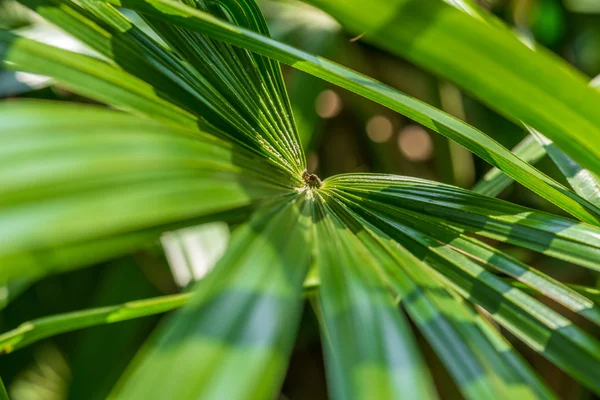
[90, 77]
[451, 328]
[469, 137]
[584, 182]
[220, 92]
[41, 328]
[486, 59]
[371, 351]
[531, 150]
[241, 320]
[127, 177]
[495, 181]
[545, 233]
[488, 257]
[543, 329]
[215, 140]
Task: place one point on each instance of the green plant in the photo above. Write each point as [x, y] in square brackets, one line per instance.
[209, 136]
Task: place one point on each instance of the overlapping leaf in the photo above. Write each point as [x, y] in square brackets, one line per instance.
[463, 263]
[495, 181]
[239, 93]
[531, 150]
[487, 60]
[584, 182]
[369, 347]
[241, 321]
[482, 367]
[542, 232]
[471, 138]
[85, 182]
[91, 77]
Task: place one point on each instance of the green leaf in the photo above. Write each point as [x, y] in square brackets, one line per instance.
[467, 136]
[492, 259]
[90, 77]
[108, 347]
[38, 329]
[3, 394]
[193, 252]
[152, 63]
[372, 350]
[482, 367]
[239, 93]
[591, 293]
[584, 182]
[74, 167]
[546, 331]
[459, 208]
[312, 30]
[33, 264]
[241, 321]
[487, 60]
[17, 83]
[252, 84]
[531, 150]
[495, 181]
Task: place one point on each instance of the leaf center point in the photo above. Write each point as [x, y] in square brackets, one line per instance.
[311, 181]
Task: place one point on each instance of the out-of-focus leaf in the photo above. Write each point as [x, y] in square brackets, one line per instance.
[110, 347]
[583, 6]
[67, 168]
[11, 290]
[47, 377]
[241, 322]
[193, 252]
[90, 77]
[38, 329]
[3, 394]
[13, 15]
[14, 83]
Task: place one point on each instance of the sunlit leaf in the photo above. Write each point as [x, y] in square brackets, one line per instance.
[486, 59]
[371, 352]
[77, 167]
[241, 321]
[462, 133]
